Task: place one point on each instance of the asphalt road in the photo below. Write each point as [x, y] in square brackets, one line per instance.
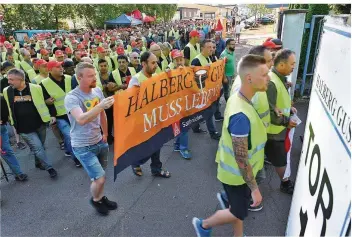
[148, 206]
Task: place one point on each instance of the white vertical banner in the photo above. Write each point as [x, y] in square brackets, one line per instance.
[321, 201]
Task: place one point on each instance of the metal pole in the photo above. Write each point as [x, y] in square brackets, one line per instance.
[308, 52]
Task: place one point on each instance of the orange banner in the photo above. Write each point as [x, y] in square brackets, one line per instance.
[161, 101]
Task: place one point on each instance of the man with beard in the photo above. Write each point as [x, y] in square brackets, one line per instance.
[230, 66]
[85, 107]
[150, 64]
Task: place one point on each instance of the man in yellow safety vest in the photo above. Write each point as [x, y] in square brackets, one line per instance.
[150, 63]
[29, 114]
[192, 49]
[280, 100]
[55, 87]
[240, 153]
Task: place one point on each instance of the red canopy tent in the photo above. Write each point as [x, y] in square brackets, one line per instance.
[135, 14]
[148, 19]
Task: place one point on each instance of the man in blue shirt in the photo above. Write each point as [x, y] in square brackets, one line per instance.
[220, 44]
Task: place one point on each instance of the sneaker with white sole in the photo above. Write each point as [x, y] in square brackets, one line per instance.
[200, 231]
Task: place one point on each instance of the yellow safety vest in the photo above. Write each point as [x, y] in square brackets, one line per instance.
[99, 82]
[17, 64]
[15, 56]
[17, 45]
[29, 70]
[141, 77]
[283, 102]
[228, 170]
[38, 79]
[164, 65]
[171, 65]
[259, 100]
[57, 93]
[108, 59]
[38, 100]
[129, 48]
[193, 51]
[177, 35]
[203, 60]
[117, 77]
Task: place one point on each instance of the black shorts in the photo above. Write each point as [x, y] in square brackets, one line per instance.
[239, 198]
[276, 153]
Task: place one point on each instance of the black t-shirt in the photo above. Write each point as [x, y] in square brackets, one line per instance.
[4, 111]
[187, 52]
[196, 62]
[213, 58]
[52, 108]
[27, 115]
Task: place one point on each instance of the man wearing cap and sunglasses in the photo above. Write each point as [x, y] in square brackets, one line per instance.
[55, 87]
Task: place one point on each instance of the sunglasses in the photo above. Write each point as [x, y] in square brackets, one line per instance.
[136, 57]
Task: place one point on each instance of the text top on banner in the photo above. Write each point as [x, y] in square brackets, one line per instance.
[141, 112]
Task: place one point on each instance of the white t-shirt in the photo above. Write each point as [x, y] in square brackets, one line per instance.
[238, 29]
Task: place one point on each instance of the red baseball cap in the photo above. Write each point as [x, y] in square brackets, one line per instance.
[113, 38]
[268, 39]
[68, 50]
[176, 53]
[100, 49]
[41, 62]
[194, 33]
[44, 52]
[80, 46]
[53, 64]
[120, 51]
[97, 36]
[269, 45]
[9, 46]
[58, 53]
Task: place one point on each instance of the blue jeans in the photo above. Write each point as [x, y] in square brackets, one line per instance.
[35, 141]
[182, 141]
[94, 159]
[7, 152]
[65, 128]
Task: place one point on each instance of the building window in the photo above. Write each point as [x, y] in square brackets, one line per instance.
[201, 14]
[184, 14]
[189, 14]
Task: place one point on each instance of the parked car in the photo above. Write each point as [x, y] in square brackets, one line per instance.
[265, 20]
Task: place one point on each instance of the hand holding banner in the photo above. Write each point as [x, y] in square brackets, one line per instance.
[144, 116]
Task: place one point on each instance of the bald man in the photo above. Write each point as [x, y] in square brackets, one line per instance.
[162, 62]
[135, 61]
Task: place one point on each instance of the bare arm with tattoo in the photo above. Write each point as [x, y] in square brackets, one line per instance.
[240, 147]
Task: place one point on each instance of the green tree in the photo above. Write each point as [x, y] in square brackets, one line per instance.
[258, 10]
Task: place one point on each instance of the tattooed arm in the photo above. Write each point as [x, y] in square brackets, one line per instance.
[240, 147]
